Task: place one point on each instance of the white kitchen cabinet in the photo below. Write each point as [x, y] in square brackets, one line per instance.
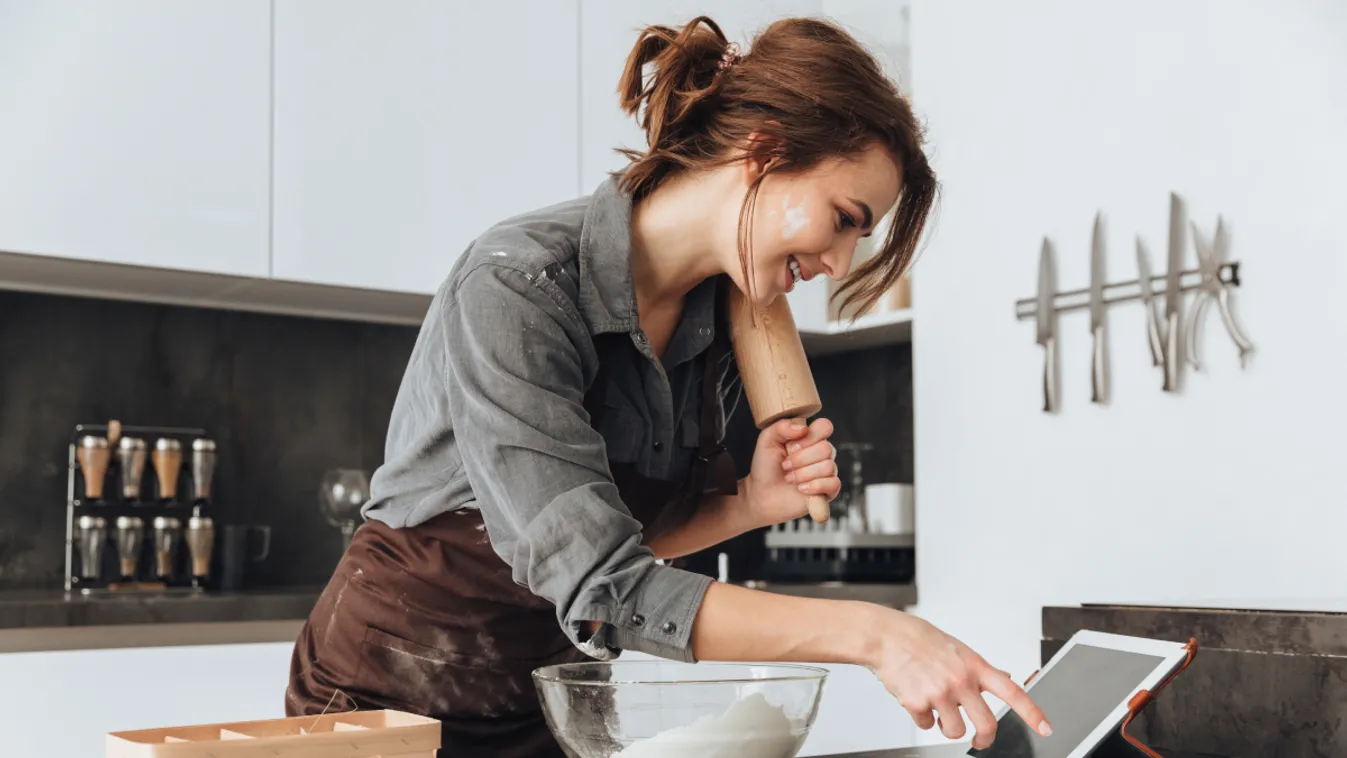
[403, 129]
[137, 132]
[64, 703]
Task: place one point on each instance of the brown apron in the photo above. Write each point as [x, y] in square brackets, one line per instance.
[428, 619]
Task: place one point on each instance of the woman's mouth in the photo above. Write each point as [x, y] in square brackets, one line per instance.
[793, 272]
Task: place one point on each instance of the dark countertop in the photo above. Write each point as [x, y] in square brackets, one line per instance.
[57, 609]
[55, 620]
[33, 621]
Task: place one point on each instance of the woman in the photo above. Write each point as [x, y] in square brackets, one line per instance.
[559, 425]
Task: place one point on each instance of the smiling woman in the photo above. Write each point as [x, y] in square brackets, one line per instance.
[559, 427]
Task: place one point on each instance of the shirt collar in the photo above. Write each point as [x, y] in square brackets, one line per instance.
[607, 293]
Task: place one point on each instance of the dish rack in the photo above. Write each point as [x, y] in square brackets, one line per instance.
[355, 734]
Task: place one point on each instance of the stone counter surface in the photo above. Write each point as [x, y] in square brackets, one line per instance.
[54, 620]
[56, 609]
[32, 621]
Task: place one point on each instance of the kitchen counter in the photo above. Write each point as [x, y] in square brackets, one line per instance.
[899, 596]
[31, 621]
[37, 620]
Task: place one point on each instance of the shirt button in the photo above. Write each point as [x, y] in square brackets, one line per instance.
[669, 627]
[637, 620]
[705, 331]
[659, 445]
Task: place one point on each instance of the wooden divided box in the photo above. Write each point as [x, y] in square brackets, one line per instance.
[356, 734]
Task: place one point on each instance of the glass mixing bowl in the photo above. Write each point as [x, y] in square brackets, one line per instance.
[666, 709]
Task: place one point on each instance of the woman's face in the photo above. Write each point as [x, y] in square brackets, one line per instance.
[808, 224]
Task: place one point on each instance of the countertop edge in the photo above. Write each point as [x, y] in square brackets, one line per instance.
[123, 636]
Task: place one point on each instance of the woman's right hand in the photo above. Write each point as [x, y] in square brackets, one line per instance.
[933, 675]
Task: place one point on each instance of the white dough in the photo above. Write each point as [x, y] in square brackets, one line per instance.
[751, 728]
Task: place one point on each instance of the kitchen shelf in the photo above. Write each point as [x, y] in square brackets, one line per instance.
[871, 330]
[145, 284]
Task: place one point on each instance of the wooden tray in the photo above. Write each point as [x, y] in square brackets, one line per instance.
[357, 734]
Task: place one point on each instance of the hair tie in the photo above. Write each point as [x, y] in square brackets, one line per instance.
[729, 57]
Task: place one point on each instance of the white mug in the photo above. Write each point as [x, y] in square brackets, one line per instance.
[889, 508]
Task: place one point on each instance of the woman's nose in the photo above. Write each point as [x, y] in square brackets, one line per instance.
[837, 262]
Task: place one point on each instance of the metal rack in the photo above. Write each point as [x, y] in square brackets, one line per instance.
[1174, 340]
[77, 505]
[1124, 292]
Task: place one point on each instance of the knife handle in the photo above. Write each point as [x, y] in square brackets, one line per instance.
[1172, 357]
[1050, 375]
[1097, 368]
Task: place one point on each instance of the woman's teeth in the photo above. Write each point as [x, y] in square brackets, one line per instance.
[794, 269]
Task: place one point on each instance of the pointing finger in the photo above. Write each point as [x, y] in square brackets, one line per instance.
[1019, 701]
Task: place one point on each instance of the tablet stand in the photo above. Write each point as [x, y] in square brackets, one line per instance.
[1120, 744]
[1118, 747]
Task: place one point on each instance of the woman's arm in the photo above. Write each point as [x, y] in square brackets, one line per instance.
[930, 673]
[771, 494]
[717, 518]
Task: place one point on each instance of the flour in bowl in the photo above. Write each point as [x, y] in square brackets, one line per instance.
[751, 728]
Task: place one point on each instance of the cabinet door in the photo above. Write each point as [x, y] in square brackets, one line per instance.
[137, 132]
[405, 128]
[63, 703]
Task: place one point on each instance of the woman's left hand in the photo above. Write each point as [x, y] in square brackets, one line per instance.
[790, 462]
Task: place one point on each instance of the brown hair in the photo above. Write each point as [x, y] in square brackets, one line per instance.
[807, 88]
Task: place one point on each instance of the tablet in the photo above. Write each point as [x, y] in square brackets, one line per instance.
[1084, 690]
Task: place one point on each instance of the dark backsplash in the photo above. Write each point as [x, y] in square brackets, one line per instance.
[286, 398]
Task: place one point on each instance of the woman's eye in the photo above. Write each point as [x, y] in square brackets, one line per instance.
[844, 219]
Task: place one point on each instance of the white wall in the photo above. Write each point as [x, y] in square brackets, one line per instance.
[1040, 113]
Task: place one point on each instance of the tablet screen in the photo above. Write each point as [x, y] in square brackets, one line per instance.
[1077, 694]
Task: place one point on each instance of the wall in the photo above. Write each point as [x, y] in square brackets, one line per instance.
[285, 398]
[1040, 113]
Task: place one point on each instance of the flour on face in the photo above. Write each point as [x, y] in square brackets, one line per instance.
[793, 219]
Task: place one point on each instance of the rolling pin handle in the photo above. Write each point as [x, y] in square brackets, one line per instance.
[818, 507]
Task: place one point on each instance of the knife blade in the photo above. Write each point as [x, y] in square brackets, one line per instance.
[1098, 367]
[1173, 292]
[1148, 302]
[1047, 324]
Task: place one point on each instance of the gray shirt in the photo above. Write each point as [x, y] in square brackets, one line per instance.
[489, 416]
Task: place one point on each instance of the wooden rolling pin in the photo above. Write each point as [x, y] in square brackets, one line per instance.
[774, 369]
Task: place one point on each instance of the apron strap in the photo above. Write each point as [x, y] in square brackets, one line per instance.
[717, 472]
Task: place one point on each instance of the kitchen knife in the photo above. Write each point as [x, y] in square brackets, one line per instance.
[1174, 292]
[1098, 366]
[1047, 325]
[1148, 302]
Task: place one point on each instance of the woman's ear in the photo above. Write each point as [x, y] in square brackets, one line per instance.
[762, 153]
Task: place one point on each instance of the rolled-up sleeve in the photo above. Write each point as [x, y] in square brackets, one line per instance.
[517, 352]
